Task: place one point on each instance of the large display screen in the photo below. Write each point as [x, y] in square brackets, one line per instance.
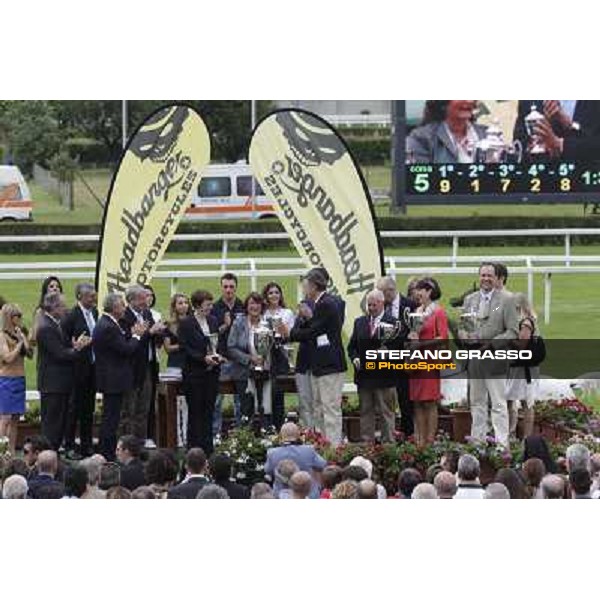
[479, 151]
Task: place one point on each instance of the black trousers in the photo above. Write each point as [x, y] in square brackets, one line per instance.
[278, 408]
[407, 425]
[54, 416]
[200, 395]
[111, 415]
[81, 409]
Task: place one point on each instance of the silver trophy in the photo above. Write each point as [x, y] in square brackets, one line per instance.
[273, 323]
[414, 321]
[386, 332]
[213, 341]
[469, 323]
[263, 342]
[493, 149]
[533, 119]
[290, 353]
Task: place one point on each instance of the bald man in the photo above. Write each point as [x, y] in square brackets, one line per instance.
[47, 467]
[377, 395]
[292, 448]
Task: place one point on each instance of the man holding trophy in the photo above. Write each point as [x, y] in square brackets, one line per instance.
[489, 321]
[377, 396]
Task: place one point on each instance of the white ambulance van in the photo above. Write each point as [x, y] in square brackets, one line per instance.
[15, 199]
[225, 192]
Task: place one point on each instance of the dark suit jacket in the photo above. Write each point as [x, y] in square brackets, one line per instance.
[578, 144]
[41, 481]
[56, 357]
[235, 491]
[325, 358]
[360, 341]
[195, 346]
[187, 490]
[74, 324]
[132, 474]
[147, 344]
[114, 350]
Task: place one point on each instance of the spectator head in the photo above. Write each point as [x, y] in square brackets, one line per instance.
[535, 446]
[427, 289]
[363, 463]
[76, 481]
[143, 493]
[488, 278]
[553, 487]
[212, 492]
[47, 463]
[445, 485]
[331, 476]
[114, 305]
[110, 476]
[387, 285]
[150, 296]
[513, 482]
[50, 285]
[118, 492]
[424, 491]
[135, 295]
[533, 472]
[367, 490]
[578, 457]
[496, 491]
[32, 448]
[449, 461]
[179, 307]
[161, 468]
[408, 480]
[14, 488]
[273, 295]
[11, 317]
[202, 302]
[220, 467]
[345, 490]
[284, 471]
[261, 491]
[468, 469]
[375, 302]
[314, 283]
[55, 305]
[502, 275]
[580, 481]
[129, 447]
[195, 461]
[411, 288]
[290, 433]
[253, 304]
[93, 466]
[229, 284]
[354, 473]
[300, 484]
[86, 295]
[14, 466]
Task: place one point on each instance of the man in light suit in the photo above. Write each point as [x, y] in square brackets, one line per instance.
[497, 324]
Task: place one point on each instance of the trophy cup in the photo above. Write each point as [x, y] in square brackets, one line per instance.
[263, 342]
[493, 149]
[469, 323]
[386, 332]
[414, 321]
[290, 353]
[273, 323]
[531, 121]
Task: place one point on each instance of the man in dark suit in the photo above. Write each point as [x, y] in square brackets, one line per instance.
[81, 320]
[114, 348]
[571, 129]
[220, 471]
[45, 477]
[56, 357]
[195, 480]
[322, 327]
[129, 449]
[377, 395]
[396, 304]
[136, 407]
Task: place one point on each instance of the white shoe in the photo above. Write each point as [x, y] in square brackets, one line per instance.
[149, 444]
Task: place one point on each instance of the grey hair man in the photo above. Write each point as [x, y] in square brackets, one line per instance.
[300, 484]
[15, 488]
[93, 466]
[445, 485]
[496, 491]
[367, 490]
[212, 492]
[424, 491]
[578, 457]
[469, 487]
[261, 491]
[553, 487]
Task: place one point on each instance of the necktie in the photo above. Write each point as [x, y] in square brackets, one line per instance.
[372, 327]
[89, 319]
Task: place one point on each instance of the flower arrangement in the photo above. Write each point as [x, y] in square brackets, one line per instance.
[569, 413]
[4, 444]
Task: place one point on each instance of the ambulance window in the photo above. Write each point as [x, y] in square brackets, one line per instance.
[213, 187]
[244, 186]
[10, 192]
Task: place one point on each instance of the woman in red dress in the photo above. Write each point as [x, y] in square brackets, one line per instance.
[425, 389]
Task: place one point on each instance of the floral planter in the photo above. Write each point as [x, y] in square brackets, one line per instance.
[351, 426]
[461, 424]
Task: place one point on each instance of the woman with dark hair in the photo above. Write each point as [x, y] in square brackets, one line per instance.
[513, 482]
[50, 285]
[447, 133]
[533, 473]
[535, 446]
[248, 368]
[198, 337]
[275, 310]
[161, 472]
[179, 310]
[425, 389]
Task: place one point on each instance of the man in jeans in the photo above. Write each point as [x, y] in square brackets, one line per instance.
[322, 327]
